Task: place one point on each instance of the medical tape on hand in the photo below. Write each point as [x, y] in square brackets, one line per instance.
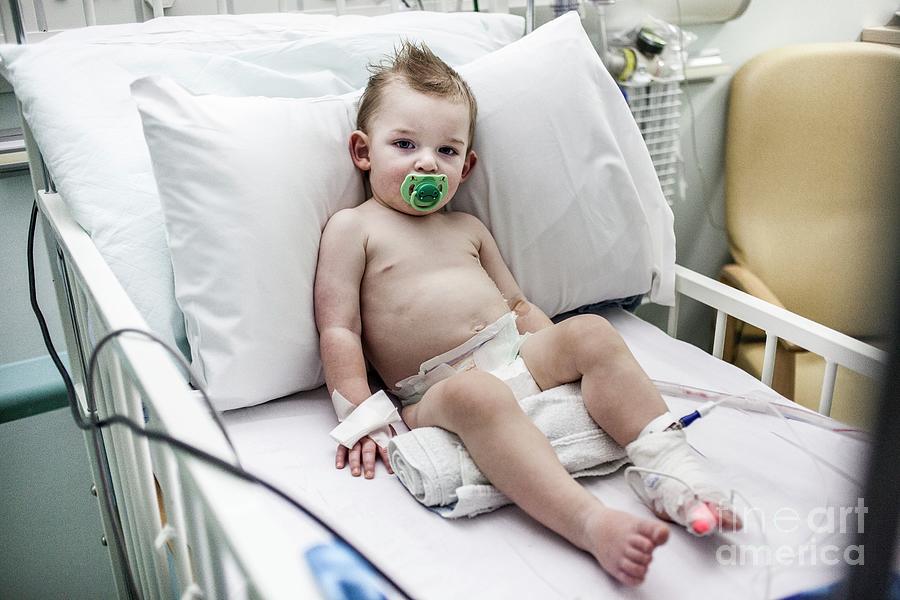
[373, 418]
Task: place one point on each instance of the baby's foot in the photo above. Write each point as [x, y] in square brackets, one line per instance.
[623, 544]
[674, 481]
[711, 515]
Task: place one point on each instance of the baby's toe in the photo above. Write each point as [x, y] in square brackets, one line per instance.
[641, 557]
[654, 531]
[627, 579]
[633, 569]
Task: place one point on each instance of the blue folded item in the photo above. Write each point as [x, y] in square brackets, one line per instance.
[342, 574]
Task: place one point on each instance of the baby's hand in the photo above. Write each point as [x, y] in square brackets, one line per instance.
[364, 451]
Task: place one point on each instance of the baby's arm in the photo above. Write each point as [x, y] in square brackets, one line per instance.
[529, 318]
[342, 262]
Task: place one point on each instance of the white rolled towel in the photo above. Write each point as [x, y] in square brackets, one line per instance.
[437, 470]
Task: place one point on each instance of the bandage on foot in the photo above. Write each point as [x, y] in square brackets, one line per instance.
[673, 481]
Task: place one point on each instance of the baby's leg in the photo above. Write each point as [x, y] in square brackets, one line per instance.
[518, 459]
[620, 398]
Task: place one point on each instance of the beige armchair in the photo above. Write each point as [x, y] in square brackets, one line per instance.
[812, 168]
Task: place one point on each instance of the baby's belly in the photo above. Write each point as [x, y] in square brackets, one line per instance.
[404, 329]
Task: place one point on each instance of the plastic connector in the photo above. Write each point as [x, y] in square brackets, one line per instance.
[702, 411]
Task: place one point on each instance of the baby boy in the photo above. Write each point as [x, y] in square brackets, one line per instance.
[424, 295]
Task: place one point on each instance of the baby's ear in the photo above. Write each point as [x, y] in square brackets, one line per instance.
[469, 164]
[359, 150]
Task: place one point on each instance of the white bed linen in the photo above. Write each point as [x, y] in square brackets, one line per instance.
[230, 33]
[75, 97]
[581, 221]
[505, 554]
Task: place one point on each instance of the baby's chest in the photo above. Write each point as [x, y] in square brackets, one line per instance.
[417, 248]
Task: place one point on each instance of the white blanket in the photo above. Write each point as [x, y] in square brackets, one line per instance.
[437, 470]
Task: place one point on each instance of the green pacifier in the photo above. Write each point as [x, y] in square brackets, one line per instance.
[423, 192]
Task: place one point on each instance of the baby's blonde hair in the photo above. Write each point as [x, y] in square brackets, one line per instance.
[419, 68]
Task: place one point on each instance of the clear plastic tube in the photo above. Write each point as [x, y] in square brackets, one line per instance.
[760, 403]
[777, 406]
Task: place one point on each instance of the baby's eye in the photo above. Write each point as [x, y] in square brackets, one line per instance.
[449, 151]
[404, 144]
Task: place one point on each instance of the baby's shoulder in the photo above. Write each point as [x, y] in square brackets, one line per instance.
[465, 221]
[346, 220]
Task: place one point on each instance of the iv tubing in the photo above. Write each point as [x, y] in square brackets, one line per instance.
[757, 404]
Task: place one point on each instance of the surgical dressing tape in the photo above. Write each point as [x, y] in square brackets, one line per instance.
[673, 476]
[373, 418]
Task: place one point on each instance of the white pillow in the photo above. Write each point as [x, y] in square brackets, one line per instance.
[564, 180]
[247, 185]
[222, 34]
[91, 137]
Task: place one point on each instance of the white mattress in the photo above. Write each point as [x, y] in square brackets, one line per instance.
[505, 554]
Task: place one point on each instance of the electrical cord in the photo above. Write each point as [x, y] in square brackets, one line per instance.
[92, 408]
[94, 424]
[706, 196]
[104, 477]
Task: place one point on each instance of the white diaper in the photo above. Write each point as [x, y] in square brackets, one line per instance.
[494, 349]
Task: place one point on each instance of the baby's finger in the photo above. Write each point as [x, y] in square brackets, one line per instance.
[386, 458]
[340, 457]
[354, 459]
[368, 457]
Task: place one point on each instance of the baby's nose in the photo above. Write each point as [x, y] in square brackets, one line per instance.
[426, 163]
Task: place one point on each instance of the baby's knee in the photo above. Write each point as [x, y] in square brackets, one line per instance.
[475, 398]
[594, 336]
[591, 324]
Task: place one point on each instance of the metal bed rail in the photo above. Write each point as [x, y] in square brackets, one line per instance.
[201, 534]
[14, 28]
[178, 527]
[777, 323]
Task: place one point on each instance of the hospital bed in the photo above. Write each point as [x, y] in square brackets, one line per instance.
[182, 528]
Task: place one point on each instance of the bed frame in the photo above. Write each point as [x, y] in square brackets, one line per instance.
[191, 543]
[190, 537]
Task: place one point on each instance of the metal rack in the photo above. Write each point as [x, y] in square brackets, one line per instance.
[656, 107]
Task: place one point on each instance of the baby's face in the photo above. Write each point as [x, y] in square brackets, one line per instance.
[416, 133]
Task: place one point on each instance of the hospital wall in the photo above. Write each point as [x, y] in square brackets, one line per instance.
[701, 240]
[702, 246]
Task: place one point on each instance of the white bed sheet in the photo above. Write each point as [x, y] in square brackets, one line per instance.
[505, 554]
